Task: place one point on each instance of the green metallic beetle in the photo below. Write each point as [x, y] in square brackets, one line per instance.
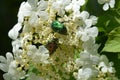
[58, 27]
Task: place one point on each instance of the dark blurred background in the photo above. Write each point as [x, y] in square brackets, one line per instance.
[8, 18]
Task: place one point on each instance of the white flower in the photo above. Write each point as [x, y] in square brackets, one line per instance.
[24, 10]
[14, 32]
[88, 20]
[84, 19]
[16, 46]
[33, 11]
[85, 15]
[87, 59]
[13, 73]
[90, 46]
[87, 33]
[107, 3]
[104, 59]
[9, 66]
[18, 50]
[106, 66]
[84, 59]
[4, 63]
[59, 6]
[75, 6]
[78, 20]
[94, 19]
[38, 55]
[87, 74]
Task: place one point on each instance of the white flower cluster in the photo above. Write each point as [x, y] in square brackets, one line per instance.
[43, 53]
[89, 59]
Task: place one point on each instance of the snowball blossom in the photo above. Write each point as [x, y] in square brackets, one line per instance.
[107, 3]
[55, 40]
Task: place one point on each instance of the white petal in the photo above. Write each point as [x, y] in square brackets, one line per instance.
[7, 76]
[78, 20]
[16, 45]
[84, 55]
[88, 22]
[84, 37]
[111, 63]
[84, 15]
[44, 58]
[33, 3]
[43, 50]
[104, 69]
[33, 21]
[85, 74]
[20, 14]
[80, 71]
[101, 64]
[105, 6]
[12, 68]
[69, 7]
[4, 67]
[93, 32]
[81, 2]
[76, 7]
[24, 10]
[112, 3]
[14, 32]
[32, 48]
[94, 19]
[95, 59]
[2, 59]
[61, 12]
[42, 5]
[104, 58]
[101, 1]
[43, 15]
[66, 2]
[9, 57]
[88, 72]
[111, 70]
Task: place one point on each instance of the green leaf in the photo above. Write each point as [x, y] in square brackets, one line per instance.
[113, 42]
